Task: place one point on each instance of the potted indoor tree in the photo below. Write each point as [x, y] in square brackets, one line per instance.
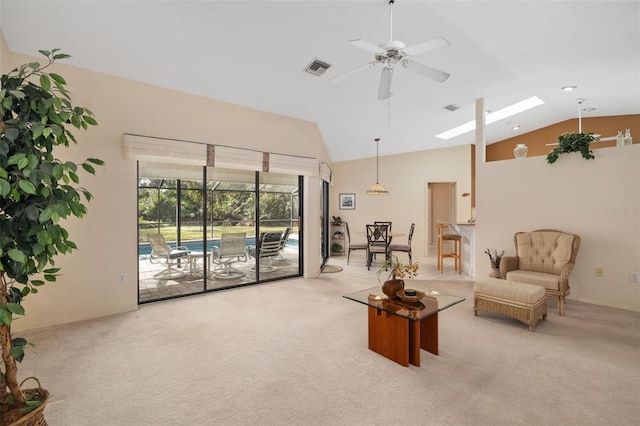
[37, 192]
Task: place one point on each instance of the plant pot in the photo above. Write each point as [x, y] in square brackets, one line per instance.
[495, 273]
[16, 417]
[391, 287]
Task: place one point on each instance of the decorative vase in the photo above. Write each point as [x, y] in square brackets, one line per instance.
[627, 137]
[391, 287]
[520, 151]
[495, 271]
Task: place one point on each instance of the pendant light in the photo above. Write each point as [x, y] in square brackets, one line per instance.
[377, 189]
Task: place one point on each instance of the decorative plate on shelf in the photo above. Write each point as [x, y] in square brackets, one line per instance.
[410, 295]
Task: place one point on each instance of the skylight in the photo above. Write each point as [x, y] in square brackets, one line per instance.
[492, 117]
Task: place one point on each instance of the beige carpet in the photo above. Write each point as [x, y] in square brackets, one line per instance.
[295, 353]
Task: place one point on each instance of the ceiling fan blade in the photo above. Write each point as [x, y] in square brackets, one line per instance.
[384, 90]
[426, 46]
[422, 69]
[369, 47]
[354, 71]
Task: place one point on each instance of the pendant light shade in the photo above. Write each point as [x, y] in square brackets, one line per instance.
[377, 189]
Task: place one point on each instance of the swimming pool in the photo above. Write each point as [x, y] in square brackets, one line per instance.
[144, 249]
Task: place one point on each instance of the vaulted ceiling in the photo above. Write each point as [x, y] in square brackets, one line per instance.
[253, 53]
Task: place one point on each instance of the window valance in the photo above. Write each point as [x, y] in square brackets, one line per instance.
[174, 151]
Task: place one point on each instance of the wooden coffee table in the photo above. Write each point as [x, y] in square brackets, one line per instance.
[400, 327]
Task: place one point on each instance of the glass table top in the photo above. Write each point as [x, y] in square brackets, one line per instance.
[426, 302]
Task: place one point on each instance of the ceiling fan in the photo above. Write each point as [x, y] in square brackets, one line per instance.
[393, 52]
[597, 137]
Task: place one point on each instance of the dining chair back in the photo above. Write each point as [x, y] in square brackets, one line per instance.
[353, 246]
[404, 247]
[384, 223]
[378, 222]
[377, 242]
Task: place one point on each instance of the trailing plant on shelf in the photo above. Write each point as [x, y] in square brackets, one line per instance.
[37, 190]
[573, 142]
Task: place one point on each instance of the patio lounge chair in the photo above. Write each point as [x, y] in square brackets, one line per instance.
[232, 249]
[162, 252]
[268, 247]
[283, 243]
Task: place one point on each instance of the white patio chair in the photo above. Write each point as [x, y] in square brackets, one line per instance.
[163, 253]
[232, 249]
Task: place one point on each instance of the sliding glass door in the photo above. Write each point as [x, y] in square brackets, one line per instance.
[210, 221]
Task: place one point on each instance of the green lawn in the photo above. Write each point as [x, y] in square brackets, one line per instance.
[194, 232]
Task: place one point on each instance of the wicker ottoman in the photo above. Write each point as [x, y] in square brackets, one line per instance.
[524, 302]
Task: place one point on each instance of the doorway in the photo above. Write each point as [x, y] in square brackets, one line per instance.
[441, 208]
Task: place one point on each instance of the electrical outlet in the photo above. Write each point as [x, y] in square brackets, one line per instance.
[599, 272]
[122, 277]
[635, 277]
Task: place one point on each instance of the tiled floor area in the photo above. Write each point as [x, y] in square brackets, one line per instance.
[188, 277]
[193, 281]
[428, 266]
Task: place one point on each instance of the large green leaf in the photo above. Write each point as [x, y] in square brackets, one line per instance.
[11, 133]
[89, 168]
[45, 83]
[17, 255]
[17, 352]
[57, 78]
[27, 186]
[16, 309]
[5, 188]
[5, 316]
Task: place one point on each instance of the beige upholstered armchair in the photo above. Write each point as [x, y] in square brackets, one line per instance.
[544, 257]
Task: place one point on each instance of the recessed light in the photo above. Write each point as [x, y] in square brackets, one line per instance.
[569, 88]
[515, 128]
[588, 109]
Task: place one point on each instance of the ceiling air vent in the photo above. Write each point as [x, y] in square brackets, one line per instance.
[317, 67]
[452, 107]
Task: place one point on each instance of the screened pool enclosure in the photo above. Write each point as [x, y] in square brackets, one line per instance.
[207, 219]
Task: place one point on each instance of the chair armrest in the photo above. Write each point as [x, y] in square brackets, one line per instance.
[563, 284]
[215, 253]
[508, 263]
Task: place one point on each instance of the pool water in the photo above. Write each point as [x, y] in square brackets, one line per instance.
[144, 249]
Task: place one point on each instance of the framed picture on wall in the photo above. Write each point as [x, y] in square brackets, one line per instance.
[347, 201]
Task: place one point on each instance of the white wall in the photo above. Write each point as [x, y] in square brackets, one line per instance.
[405, 176]
[597, 199]
[107, 236]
